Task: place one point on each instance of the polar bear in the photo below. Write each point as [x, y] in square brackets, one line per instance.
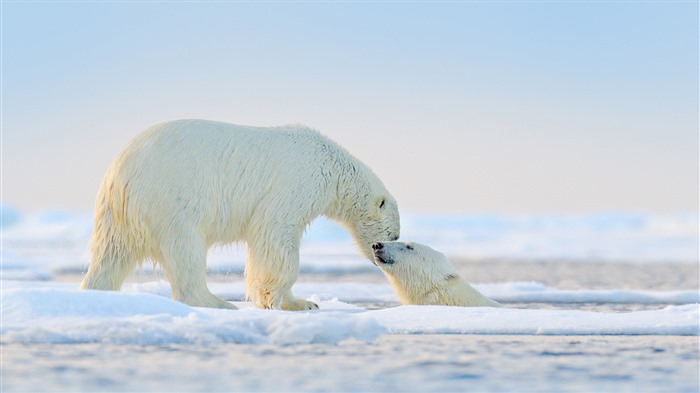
[421, 275]
[181, 187]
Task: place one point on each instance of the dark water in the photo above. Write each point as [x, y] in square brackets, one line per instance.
[400, 363]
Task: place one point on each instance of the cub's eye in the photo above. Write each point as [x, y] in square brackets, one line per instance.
[381, 205]
[410, 247]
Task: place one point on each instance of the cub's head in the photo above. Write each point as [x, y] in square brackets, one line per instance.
[421, 275]
[412, 264]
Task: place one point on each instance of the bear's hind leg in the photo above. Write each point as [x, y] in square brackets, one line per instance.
[269, 276]
[184, 262]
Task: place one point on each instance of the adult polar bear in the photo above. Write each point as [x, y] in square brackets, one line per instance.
[181, 187]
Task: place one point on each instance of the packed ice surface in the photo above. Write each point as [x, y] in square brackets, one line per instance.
[56, 315]
[60, 314]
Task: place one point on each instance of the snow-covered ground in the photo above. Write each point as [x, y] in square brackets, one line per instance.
[59, 314]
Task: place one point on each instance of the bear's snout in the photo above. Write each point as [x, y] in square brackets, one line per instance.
[377, 246]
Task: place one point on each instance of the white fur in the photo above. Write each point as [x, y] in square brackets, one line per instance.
[421, 275]
[181, 187]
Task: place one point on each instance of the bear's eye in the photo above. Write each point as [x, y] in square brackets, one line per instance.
[410, 247]
[381, 205]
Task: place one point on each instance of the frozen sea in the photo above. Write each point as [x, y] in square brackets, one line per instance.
[604, 303]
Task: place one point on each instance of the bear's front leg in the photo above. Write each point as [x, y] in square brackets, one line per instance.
[291, 303]
[270, 273]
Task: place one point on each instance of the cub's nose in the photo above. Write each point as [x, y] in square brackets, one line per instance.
[377, 246]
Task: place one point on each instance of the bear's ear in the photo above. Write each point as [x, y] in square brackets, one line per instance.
[451, 278]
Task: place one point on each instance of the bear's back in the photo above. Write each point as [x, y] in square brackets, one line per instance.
[182, 136]
[217, 174]
[185, 148]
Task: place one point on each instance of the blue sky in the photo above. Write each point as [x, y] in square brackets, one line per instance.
[502, 107]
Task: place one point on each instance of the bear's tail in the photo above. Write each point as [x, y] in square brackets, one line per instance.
[112, 255]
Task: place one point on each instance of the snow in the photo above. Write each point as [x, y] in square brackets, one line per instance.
[57, 314]
[672, 320]
[533, 292]
[509, 292]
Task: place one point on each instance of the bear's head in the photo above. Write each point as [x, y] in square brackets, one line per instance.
[376, 218]
[365, 208]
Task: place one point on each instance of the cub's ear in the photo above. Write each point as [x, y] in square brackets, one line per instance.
[381, 202]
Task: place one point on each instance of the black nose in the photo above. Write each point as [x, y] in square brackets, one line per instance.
[377, 246]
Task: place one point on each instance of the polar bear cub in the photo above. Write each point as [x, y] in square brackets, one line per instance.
[421, 275]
